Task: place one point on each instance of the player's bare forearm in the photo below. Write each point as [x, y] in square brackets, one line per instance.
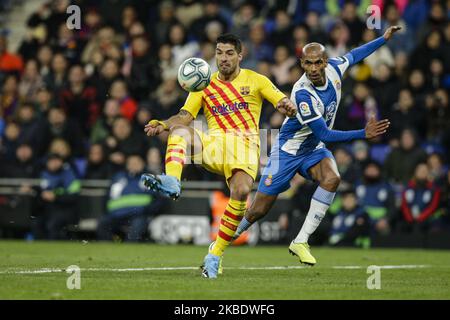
[155, 127]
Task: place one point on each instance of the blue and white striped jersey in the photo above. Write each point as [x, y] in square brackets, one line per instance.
[313, 102]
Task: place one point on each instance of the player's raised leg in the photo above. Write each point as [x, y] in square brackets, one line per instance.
[180, 139]
[240, 187]
[328, 176]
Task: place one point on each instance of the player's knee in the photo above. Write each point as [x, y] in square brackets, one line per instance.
[240, 191]
[180, 130]
[332, 181]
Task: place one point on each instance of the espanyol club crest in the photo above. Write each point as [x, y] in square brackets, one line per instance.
[268, 180]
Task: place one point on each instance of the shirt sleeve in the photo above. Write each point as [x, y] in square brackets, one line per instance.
[307, 107]
[321, 131]
[341, 64]
[194, 103]
[269, 91]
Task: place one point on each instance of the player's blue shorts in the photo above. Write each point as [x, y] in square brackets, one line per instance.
[276, 176]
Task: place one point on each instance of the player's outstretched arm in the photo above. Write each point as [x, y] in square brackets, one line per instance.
[362, 52]
[155, 127]
[373, 129]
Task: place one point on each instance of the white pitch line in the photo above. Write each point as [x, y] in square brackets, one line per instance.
[406, 266]
[55, 270]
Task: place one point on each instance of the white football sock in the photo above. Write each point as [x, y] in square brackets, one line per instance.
[316, 212]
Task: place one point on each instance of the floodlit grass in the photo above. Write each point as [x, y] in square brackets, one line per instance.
[113, 271]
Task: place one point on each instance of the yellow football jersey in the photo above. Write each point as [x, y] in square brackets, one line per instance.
[234, 106]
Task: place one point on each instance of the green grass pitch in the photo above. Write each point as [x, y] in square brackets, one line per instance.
[149, 271]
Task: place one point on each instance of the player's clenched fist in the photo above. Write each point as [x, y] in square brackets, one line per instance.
[154, 127]
[286, 107]
[375, 128]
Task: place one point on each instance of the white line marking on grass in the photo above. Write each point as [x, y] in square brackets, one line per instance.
[406, 266]
[55, 270]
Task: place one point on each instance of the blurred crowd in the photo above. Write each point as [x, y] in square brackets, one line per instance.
[85, 95]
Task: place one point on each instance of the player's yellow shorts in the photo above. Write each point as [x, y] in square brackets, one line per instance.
[224, 153]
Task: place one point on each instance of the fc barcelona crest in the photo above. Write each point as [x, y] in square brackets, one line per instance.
[245, 90]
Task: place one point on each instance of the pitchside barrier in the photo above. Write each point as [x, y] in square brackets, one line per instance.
[187, 220]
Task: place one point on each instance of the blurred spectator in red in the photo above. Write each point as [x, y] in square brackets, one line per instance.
[420, 200]
[128, 106]
[401, 161]
[9, 62]
[79, 99]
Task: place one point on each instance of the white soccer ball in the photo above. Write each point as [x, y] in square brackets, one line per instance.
[194, 74]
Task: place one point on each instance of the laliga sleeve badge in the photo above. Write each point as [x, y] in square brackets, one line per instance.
[268, 180]
[337, 83]
[304, 109]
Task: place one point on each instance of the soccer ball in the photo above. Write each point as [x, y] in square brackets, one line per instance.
[194, 74]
